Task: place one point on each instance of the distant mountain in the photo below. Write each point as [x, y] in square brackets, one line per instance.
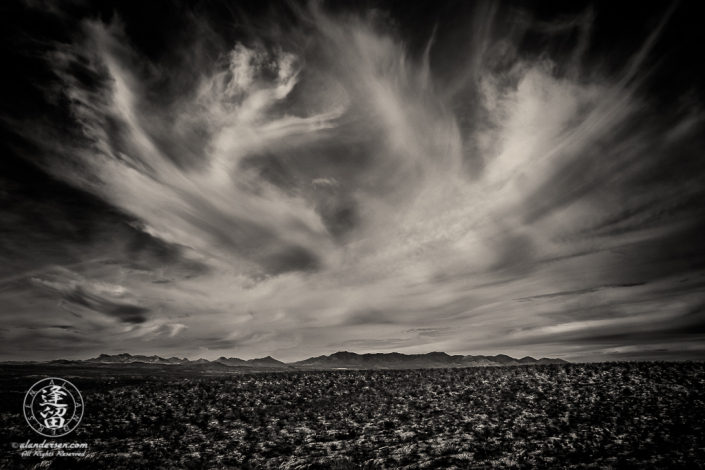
[127, 358]
[349, 360]
[339, 360]
[230, 361]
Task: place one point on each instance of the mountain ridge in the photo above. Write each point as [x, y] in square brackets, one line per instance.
[345, 359]
[338, 360]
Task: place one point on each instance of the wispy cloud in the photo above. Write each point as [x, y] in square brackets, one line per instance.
[328, 185]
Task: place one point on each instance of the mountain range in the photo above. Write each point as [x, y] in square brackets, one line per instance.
[339, 360]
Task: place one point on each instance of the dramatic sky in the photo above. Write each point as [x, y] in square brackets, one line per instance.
[242, 179]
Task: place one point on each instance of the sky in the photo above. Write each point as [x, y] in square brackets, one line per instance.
[293, 179]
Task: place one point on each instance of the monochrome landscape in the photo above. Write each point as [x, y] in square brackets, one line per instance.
[300, 234]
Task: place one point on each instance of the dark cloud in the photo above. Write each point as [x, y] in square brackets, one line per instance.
[374, 317]
[127, 265]
[338, 209]
[63, 327]
[578, 292]
[126, 313]
[428, 331]
[291, 259]
[76, 291]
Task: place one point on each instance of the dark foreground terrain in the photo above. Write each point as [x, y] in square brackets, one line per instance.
[611, 415]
